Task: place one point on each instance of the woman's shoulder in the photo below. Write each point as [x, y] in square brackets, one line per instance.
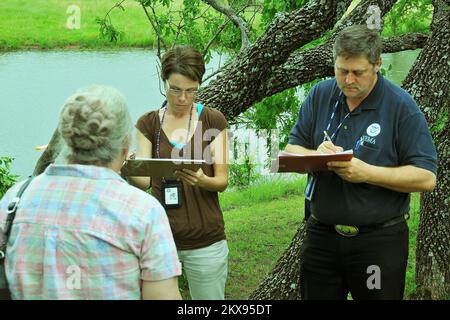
[150, 115]
[147, 122]
[214, 115]
[148, 119]
[210, 110]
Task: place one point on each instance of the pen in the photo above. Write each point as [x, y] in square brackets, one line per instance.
[327, 136]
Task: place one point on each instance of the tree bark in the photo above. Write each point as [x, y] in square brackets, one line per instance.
[234, 92]
[236, 89]
[317, 63]
[49, 155]
[428, 81]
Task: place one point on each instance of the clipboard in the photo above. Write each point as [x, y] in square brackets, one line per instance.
[291, 162]
[158, 168]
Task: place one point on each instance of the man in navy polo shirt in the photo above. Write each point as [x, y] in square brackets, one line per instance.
[357, 236]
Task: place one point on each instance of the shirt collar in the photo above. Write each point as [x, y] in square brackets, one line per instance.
[82, 171]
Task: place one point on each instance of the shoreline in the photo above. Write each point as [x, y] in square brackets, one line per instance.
[38, 48]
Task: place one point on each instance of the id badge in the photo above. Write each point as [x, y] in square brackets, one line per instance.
[310, 186]
[172, 195]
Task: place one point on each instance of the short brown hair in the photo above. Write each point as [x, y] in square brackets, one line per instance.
[358, 40]
[184, 60]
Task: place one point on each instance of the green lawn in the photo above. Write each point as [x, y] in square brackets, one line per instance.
[260, 223]
[42, 24]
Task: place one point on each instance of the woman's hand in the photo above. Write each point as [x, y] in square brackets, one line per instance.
[194, 178]
[130, 156]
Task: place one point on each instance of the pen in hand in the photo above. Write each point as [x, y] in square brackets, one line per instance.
[327, 136]
[329, 148]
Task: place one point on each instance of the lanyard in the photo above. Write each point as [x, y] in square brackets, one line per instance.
[332, 117]
[358, 143]
[158, 136]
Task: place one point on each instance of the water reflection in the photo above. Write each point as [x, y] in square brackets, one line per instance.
[401, 63]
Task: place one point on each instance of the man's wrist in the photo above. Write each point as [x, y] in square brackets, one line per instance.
[372, 174]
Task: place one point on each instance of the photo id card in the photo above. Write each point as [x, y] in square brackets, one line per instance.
[172, 195]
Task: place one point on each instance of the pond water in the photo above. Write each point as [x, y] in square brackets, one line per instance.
[34, 85]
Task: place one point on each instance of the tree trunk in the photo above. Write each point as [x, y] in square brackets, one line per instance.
[428, 82]
[283, 281]
[49, 155]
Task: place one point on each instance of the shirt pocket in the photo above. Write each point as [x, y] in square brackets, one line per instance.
[369, 154]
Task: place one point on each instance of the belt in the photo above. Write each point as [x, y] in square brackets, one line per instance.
[351, 231]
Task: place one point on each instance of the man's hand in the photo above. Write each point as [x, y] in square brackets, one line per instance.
[328, 147]
[355, 171]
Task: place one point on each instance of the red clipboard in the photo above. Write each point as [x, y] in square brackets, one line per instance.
[290, 162]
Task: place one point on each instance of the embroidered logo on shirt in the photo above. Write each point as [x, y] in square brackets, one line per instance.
[374, 129]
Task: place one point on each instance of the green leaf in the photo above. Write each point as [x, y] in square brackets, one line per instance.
[7, 179]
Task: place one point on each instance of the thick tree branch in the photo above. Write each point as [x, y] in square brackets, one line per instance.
[316, 63]
[50, 153]
[288, 32]
[238, 21]
[236, 88]
[407, 41]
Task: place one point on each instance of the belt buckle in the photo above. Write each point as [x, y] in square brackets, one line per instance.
[346, 231]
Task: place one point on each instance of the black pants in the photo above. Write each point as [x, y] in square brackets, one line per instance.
[371, 265]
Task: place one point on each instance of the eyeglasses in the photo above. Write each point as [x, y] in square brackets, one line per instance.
[178, 92]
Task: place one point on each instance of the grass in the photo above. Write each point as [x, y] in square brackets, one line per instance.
[260, 223]
[42, 24]
[413, 224]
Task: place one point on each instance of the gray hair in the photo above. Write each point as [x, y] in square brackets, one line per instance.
[95, 125]
[358, 40]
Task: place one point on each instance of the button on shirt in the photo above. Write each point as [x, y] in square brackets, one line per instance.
[81, 232]
[387, 129]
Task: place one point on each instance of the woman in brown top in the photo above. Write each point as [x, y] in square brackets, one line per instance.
[184, 128]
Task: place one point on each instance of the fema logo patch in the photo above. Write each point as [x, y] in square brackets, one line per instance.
[373, 130]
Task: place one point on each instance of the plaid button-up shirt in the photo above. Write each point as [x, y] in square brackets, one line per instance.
[81, 232]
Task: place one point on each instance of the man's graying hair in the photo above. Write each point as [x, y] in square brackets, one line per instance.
[95, 125]
[358, 40]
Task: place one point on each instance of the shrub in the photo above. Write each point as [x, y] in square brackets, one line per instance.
[243, 174]
[7, 179]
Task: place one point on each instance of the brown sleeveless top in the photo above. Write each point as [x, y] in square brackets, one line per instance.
[199, 221]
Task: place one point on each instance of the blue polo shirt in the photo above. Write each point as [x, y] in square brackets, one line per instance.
[391, 130]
